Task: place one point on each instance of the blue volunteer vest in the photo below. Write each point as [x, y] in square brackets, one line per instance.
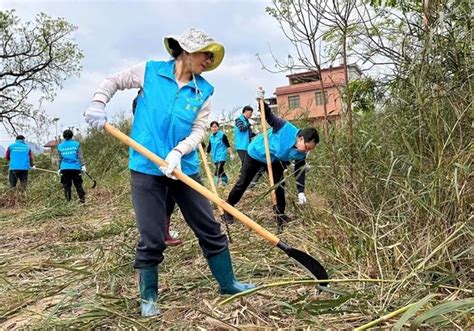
[19, 155]
[69, 153]
[281, 145]
[241, 139]
[218, 148]
[164, 116]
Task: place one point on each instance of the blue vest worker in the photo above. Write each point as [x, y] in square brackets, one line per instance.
[243, 133]
[19, 155]
[20, 160]
[71, 166]
[286, 142]
[218, 147]
[170, 120]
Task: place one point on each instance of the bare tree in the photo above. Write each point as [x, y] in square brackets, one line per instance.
[36, 58]
[300, 22]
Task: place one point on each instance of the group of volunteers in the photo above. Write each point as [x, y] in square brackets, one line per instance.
[171, 113]
[71, 164]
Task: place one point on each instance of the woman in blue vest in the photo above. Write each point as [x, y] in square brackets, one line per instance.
[170, 203]
[71, 166]
[170, 120]
[20, 160]
[219, 147]
[286, 143]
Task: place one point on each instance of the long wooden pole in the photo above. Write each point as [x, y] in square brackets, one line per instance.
[242, 218]
[209, 176]
[267, 149]
[214, 189]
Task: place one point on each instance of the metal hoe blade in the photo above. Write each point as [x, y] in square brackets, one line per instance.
[306, 261]
[94, 182]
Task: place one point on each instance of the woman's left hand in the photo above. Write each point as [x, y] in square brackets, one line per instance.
[174, 162]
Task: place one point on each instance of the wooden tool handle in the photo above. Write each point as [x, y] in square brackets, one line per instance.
[209, 175]
[47, 170]
[194, 185]
[267, 149]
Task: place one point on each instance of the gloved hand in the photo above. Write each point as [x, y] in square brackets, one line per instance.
[95, 115]
[232, 157]
[59, 172]
[33, 167]
[302, 198]
[260, 93]
[174, 161]
[83, 168]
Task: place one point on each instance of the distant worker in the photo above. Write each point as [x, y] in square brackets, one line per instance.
[20, 160]
[219, 147]
[286, 143]
[71, 166]
[243, 133]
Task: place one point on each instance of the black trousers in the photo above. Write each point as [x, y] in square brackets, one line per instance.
[18, 175]
[248, 172]
[219, 169]
[69, 177]
[242, 153]
[149, 194]
[169, 205]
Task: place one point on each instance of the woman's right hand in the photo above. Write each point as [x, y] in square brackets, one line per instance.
[95, 115]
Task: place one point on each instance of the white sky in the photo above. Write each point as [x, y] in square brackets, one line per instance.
[114, 35]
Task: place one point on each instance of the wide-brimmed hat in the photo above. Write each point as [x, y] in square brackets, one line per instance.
[194, 40]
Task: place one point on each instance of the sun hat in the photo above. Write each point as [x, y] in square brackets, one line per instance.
[194, 40]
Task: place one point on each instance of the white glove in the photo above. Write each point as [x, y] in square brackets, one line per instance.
[260, 93]
[59, 172]
[95, 115]
[33, 167]
[174, 161]
[302, 199]
[83, 168]
[232, 157]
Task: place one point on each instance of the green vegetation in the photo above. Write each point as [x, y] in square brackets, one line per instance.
[389, 215]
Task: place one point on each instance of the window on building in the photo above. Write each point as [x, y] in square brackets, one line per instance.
[293, 102]
[319, 98]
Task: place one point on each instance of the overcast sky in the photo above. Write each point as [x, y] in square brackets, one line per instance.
[114, 35]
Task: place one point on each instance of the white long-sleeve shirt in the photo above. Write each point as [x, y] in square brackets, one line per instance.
[134, 77]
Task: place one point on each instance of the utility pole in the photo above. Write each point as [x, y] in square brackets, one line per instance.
[55, 120]
[54, 159]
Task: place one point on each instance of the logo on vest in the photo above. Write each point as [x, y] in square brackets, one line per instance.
[191, 107]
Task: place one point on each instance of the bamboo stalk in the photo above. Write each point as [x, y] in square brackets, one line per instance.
[305, 282]
[384, 318]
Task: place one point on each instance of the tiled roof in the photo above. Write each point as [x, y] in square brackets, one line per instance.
[51, 143]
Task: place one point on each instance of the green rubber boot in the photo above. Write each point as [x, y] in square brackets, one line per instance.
[221, 268]
[224, 180]
[148, 280]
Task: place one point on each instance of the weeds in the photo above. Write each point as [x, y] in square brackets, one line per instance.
[390, 205]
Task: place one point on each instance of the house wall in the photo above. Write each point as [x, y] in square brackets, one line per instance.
[308, 107]
[333, 79]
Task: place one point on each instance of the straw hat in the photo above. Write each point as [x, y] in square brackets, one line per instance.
[194, 40]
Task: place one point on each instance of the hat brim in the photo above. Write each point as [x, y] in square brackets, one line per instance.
[215, 48]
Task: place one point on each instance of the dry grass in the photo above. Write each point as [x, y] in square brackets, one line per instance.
[69, 265]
